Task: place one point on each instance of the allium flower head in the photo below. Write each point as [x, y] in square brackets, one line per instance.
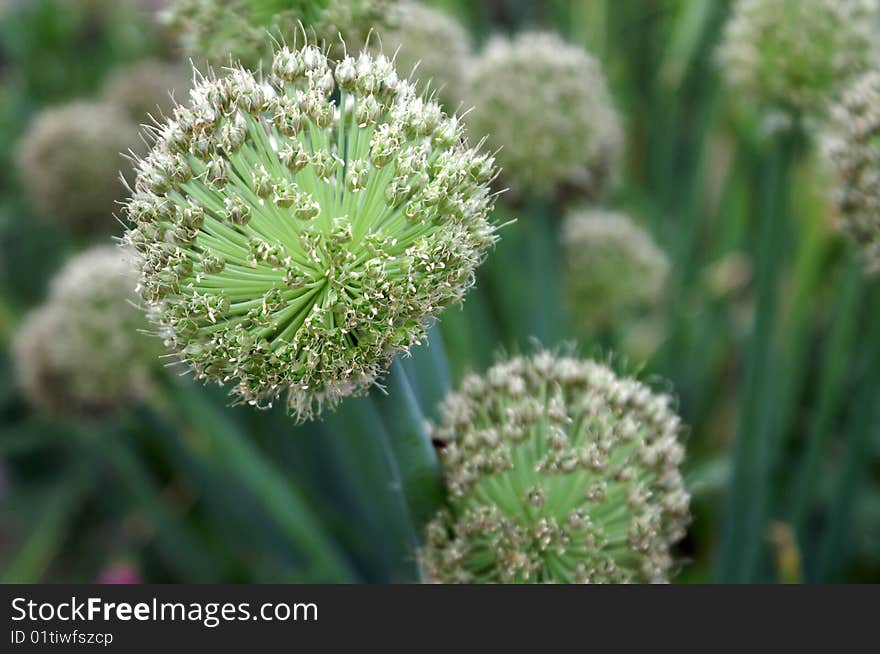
[218, 30]
[69, 162]
[852, 148]
[546, 104]
[81, 353]
[793, 55]
[431, 43]
[611, 265]
[295, 242]
[147, 88]
[557, 471]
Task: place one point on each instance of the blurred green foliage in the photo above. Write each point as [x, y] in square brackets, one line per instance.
[769, 337]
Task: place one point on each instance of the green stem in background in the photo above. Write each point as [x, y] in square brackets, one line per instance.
[864, 425]
[181, 549]
[373, 467]
[49, 532]
[742, 534]
[411, 444]
[281, 499]
[837, 359]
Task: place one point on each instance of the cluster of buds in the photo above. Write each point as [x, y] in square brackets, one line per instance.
[792, 56]
[546, 106]
[558, 471]
[298, 231]
[431, 45]
[242, 30]
[69, 161]
[81, 353]
[612, 266]
[853, 152]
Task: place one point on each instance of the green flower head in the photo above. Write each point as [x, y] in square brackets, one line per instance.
[558, 471]
[793, 55]
[545, 105]
[612, 266]
[242, 30]
[852, 148]
[69, 162]
[81, 353]
[299, 231]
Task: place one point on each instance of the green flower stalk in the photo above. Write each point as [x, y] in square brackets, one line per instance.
[147, 88]
[612, 266]
[793, 55]
[431, 43]
[242, 30]
[294, 240]
[558, 471]
[81, 353]
[546, 106]
[69, 162]
[853, 152]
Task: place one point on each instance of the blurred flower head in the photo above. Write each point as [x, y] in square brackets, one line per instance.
[69, 162]
[793, 55]
[294, 242]
[612, 265]
[81, 353]
[853, 152]
[546, 105]
[557, 471]
[147, 88]
[242, 30]
[431, 43]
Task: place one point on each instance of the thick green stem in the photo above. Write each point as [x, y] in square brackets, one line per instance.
[829, 395]
[411, 444]
[746, 512]
[281, 499]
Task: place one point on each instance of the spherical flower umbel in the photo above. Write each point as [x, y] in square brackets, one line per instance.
[242, 30]
[558, 471]
[612, 265]
[81, 353]
[69, 162]
[546, 105]
[294, 242]
[853, 152]
[147, 88]
[793, 55]
[431, 43]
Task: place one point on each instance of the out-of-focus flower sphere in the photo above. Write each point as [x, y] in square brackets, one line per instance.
[794, 55]
[147, 88]
[546, 105]
[295, 243]
[612, 265]
[242, 30]
[852, 148]
[432, 43]
[69, 162]
[82, 354]
[557, 471]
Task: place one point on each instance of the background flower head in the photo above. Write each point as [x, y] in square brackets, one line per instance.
[69, 162]
[853, 152]
[82, 354]
[793, 55]
[612, 265]
[546, 105]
